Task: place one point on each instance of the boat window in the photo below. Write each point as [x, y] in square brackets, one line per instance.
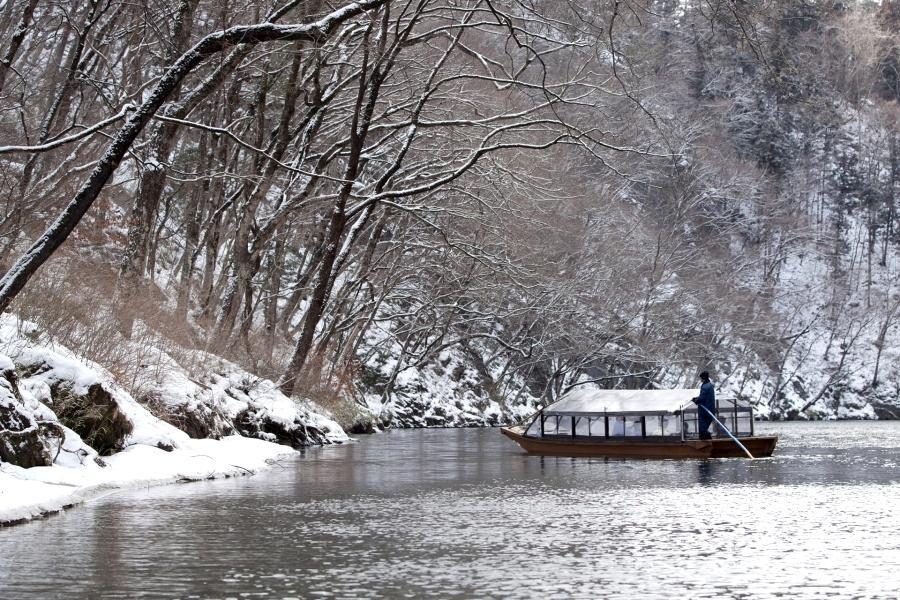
[581, 426]
[565, 425]
[535, 428]
[740, 425]
[739, 422]
[633, 427]
[654, 425]
[598, 427]
[670, 425]
[690, 423]
[617, 426]
[550, 425]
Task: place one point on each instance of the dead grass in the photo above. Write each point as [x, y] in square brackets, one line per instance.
[73, 301]
[335, 391]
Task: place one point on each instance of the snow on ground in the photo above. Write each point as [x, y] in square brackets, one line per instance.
[30, 493]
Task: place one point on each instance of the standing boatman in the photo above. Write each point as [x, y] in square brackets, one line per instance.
[707, 398]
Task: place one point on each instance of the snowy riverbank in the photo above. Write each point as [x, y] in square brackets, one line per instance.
[69, 431]
[39, 491]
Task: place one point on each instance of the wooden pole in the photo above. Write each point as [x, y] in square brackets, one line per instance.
[719, 423]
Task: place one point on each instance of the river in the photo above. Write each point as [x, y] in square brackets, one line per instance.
[465, 514]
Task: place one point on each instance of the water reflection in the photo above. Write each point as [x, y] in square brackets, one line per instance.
[463, 513]
[705, 472]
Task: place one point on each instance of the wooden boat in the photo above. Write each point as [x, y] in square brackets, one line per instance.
[638, 424]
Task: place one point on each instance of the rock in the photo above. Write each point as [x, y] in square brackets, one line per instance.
[363, 427]
[196, 423]
[252, 423]
[799, 388]
[95, 416]
[886, 411]
[199, 420]
[432, 421]
[24, 441]
[218, 398]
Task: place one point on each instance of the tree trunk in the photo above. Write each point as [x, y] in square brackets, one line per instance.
[18, 36]
[153, 180]
[244, 253]
[305, 272]
[337, 222]
[192, 236]
[272, 291]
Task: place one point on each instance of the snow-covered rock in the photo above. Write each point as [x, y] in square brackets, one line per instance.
[219, 398]
[84, 395]
[23, 440]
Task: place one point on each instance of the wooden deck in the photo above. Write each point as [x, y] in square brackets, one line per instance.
[759, 447]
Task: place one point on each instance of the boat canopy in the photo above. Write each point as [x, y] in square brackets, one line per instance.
[586, 400]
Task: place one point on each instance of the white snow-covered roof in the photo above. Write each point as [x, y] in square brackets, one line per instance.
[592, 400]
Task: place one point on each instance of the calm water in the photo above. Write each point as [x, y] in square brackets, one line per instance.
[465, 514]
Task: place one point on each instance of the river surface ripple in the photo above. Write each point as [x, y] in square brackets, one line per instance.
[465, 514]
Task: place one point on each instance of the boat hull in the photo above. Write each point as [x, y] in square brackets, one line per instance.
[759, 447]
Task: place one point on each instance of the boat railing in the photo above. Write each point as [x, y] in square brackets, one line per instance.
[738, 418]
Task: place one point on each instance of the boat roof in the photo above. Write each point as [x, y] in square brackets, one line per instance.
[593, 400]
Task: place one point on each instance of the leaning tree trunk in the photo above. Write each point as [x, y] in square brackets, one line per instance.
[316, 304]
[364, 108]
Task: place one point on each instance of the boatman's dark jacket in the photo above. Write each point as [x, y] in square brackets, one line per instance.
[706, 398]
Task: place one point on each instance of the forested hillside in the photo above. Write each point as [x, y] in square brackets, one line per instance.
[430, 212]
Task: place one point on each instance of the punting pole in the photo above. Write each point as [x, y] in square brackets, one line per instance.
[731, 435]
